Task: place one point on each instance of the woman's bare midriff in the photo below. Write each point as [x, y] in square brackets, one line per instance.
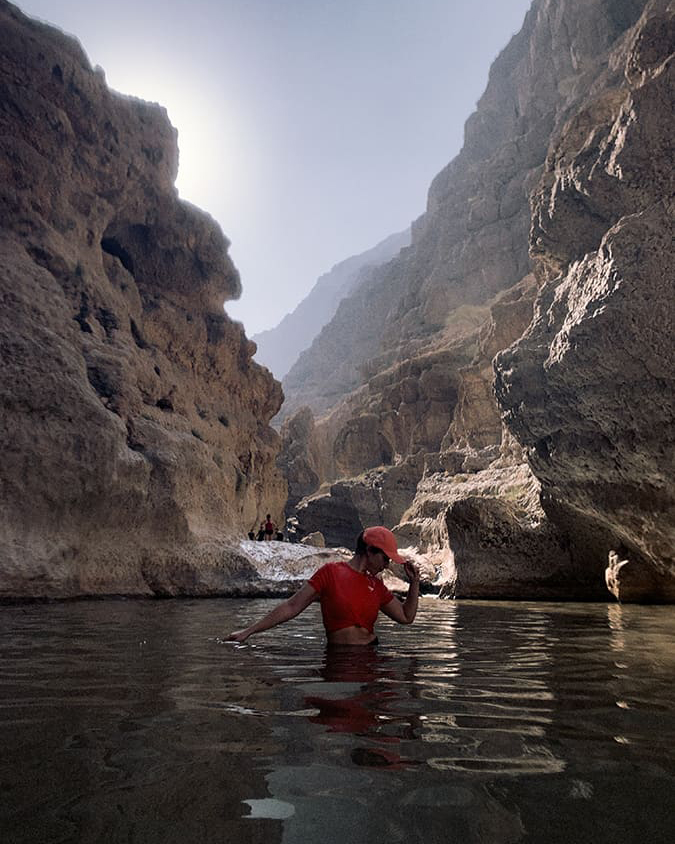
[351, 636]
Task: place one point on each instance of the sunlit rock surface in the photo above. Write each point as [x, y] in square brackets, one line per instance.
[488, 537]
[562, 193]
[134, 427]
[589, 389]
[280, 568]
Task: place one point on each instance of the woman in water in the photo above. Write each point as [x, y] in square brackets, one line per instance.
[351, 594]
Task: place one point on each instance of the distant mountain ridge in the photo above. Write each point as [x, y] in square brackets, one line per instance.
[280, 347]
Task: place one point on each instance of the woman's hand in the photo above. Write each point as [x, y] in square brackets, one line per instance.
[281, 613]
[238, 636]
[412, 571]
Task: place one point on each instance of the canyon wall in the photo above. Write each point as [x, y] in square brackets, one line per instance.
[551, 225]
[589, 389]
[500, 393]
[135, 425]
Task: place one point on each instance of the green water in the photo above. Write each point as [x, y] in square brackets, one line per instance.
[132, 721]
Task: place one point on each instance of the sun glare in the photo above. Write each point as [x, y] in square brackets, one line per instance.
[208, 165]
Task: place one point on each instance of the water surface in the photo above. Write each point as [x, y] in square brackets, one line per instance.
[132, 721]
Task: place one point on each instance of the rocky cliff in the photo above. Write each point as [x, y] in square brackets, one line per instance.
[589, 389]
[134, 423]
[280, 347]
[561, 195]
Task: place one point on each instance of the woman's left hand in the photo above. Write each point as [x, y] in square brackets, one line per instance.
[412, 571]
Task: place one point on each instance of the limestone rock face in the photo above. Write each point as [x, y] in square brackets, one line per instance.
[476, 424]
[421, 384]
[297, 460]
[346, 507]
[577, 118]
[488, 537]
[134, 423]
[589, 389]
[403, 422]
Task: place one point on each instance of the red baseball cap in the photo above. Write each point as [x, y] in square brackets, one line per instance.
[384, 539]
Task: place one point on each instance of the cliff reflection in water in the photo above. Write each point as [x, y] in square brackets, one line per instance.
[483, 722]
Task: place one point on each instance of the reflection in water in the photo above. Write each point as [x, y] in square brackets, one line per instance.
[447, 712]
[616, 625]
[491, 708]
[483, 722]
[359, 684]
[110, 727]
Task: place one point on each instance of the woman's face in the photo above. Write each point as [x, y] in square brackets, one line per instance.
[377, 561]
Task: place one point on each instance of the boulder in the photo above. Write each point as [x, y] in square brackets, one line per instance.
[378, 497]
[315, 539]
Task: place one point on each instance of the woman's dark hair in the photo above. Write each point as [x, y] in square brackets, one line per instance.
[362, 547]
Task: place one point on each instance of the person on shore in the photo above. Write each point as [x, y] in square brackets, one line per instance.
[351, 594]
[270, 528]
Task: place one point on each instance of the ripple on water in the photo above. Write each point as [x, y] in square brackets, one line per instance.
[487, 719]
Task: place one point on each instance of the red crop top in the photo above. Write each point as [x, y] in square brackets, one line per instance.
[348, 597]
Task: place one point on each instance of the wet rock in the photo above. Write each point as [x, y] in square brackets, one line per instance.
[633, 582]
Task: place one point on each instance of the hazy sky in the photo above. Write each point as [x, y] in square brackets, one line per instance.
[309, 129]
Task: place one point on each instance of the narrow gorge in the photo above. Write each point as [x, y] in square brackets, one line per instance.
[505, 386]
[496, 387]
